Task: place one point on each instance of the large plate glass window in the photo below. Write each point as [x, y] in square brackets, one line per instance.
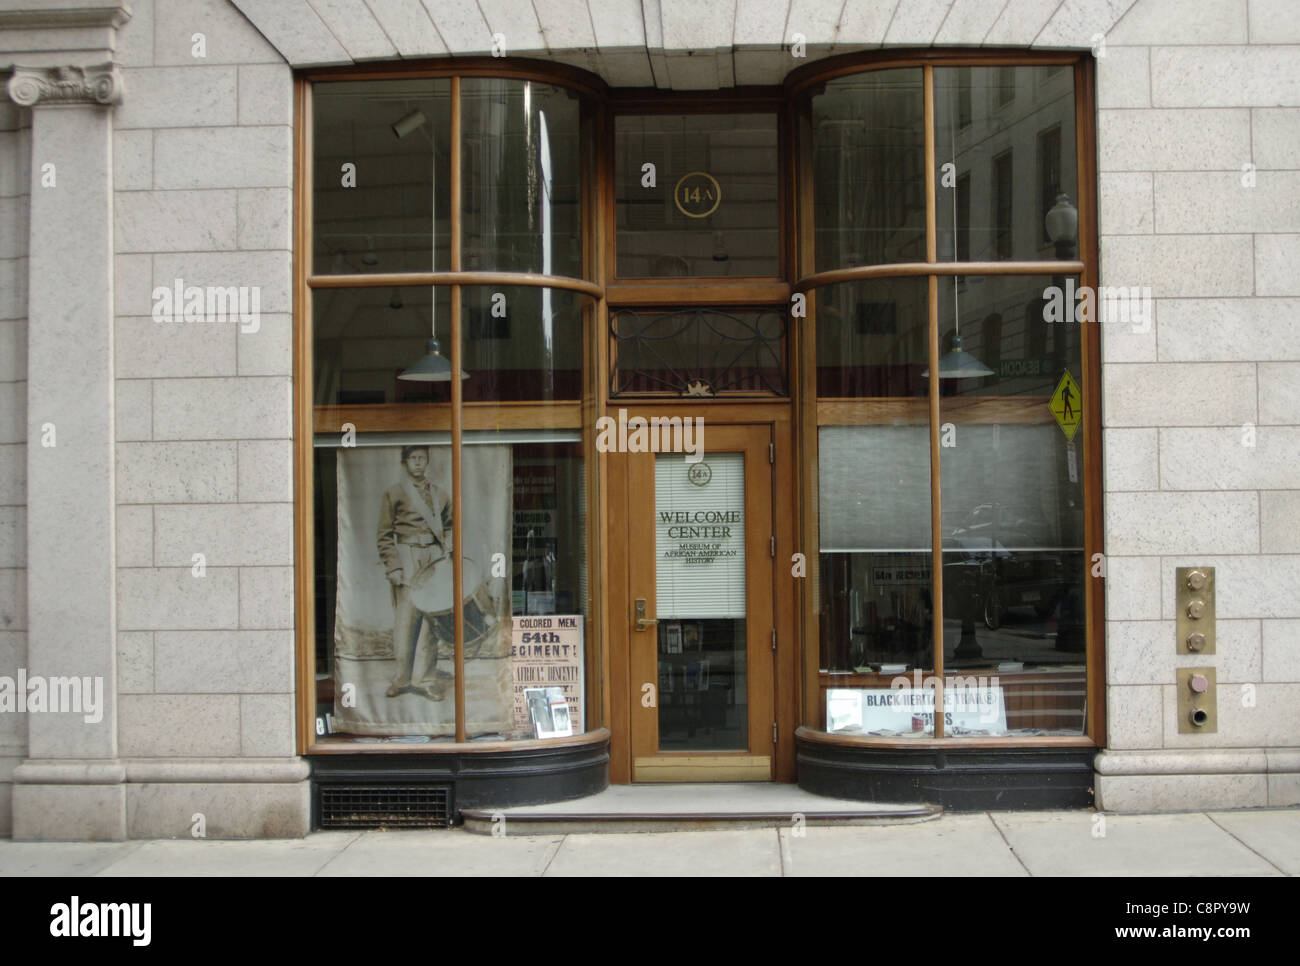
[442, 618]
[962, 487]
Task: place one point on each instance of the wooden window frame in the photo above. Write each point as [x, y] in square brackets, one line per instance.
[814, 412]
[797, 275]
[457, 416]
[703, 289]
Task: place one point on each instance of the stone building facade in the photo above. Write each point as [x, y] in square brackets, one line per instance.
[152, 141]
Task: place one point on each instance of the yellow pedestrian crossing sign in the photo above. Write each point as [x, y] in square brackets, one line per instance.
[1066, 405]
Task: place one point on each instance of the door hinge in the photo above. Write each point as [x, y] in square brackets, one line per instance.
[771, 453]
[774, 638]
[773, 546]
[773, 732]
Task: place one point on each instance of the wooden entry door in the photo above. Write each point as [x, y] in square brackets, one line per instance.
[701, 621]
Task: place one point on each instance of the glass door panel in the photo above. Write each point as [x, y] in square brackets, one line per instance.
[700, 587]
[700, 577]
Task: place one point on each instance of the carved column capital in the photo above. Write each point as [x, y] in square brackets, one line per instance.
[33, 86]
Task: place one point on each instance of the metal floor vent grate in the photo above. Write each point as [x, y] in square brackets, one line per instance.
[385, 806]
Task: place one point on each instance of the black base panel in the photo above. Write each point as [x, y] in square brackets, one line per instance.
[960, 780]
[532, 776]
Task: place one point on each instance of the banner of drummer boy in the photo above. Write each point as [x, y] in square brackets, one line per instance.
[393, 632]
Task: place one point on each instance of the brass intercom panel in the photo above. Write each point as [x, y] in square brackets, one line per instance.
[1195, 610]
[1197, 701]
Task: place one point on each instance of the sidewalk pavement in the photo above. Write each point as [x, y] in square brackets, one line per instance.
[1061, 843]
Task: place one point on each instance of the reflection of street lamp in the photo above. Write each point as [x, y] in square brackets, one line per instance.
[1063, 226]
[1062, 223]
[971, 591]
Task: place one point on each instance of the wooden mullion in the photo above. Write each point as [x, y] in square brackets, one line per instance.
[805, 385]
[860, 273]
[936, 495]
[304, 456]
[817, 74]
[456, 277]
[458, 506]
[427, 417]
[1094, 588]
[1026, 410]
[718, 292]
[494, 67]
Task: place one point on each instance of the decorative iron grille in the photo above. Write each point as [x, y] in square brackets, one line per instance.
[699, 352]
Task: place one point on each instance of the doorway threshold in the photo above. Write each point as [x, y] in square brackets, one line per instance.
[677, 807]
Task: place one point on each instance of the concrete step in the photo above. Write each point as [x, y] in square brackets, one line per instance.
[691, 807]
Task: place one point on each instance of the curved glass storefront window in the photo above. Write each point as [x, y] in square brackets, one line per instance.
[872, 339]
[364, 338]
[521, 185]
[1008, 133]
[521, 343]
[525, 482]
[868, 140]
[875, 606]
[449, 469]
[1013, 547]
[381, 176]
[952, 457]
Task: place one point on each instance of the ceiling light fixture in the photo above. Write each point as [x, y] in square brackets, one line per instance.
[957, 363]
[431, 367]
[409, 123]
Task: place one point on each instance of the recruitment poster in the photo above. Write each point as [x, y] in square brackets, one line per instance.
[546, 652]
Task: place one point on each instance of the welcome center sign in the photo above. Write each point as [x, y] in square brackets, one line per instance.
[700, 536]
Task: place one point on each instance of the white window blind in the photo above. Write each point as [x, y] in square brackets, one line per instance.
[700, 536]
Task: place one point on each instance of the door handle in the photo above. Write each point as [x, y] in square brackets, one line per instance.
[642, 622]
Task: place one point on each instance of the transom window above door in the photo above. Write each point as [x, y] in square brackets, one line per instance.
[696, 195]
[698, 352]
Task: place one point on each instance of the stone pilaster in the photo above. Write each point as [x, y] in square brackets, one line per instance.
[71, 785]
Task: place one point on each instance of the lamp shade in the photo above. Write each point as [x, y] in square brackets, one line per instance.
[959, 364]
[430, 367]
